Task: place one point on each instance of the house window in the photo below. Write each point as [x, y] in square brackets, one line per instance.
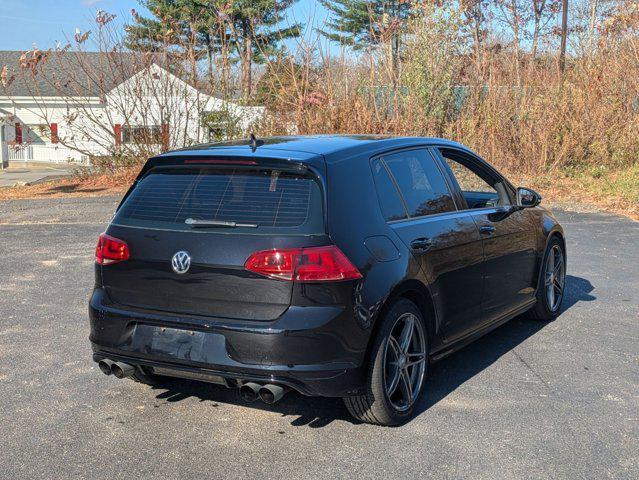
[142, 135]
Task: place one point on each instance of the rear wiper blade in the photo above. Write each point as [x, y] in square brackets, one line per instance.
[195, 223]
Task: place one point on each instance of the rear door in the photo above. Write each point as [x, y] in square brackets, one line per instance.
[274, 207]
[445, 241]
[508, 234]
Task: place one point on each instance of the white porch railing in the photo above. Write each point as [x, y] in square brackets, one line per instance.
[47, 153]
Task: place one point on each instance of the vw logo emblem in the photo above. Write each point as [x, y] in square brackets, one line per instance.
[181, 262]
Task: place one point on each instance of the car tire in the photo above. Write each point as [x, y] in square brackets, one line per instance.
[376, 406]
[543, 310]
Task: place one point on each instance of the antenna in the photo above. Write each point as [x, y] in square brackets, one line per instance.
[253, 142]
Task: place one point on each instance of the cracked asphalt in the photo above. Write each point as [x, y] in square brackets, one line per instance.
[529, 400]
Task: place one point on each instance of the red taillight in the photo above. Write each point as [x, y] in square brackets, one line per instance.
[110, 250]
[314, 264]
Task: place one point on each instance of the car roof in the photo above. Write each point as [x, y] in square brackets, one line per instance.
[305, 146]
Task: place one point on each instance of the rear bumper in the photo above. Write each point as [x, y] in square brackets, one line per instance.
[314, 350]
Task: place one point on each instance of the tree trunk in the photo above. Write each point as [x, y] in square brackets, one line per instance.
[564, 35]
[395, 56]
[395, 41]
[223, 61]
[209, 59]
[539, 6]
[591, 31]
[193, 64]
[515, 13]
[477, 34]
[191, 52]
[226, 66]
[247, 63]
[535, 38]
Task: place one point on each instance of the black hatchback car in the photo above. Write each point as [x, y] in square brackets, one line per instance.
[336, 266]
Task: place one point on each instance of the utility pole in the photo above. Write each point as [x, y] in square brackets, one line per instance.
[564, 34]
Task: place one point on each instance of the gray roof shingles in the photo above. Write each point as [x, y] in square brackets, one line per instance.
[69, 74]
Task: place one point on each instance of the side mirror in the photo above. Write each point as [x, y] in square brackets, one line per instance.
[527, 198]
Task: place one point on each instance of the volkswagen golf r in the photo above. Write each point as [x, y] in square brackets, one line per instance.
[337, 266]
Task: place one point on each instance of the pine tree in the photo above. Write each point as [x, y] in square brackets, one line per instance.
[363, 24]
[253, 26]
[242, 30]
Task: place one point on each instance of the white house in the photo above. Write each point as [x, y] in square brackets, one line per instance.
[76, 105]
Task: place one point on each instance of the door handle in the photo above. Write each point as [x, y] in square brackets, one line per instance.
[487, 229]
[421, 244]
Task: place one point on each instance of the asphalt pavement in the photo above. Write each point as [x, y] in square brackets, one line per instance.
[529, 400]
[26, 175]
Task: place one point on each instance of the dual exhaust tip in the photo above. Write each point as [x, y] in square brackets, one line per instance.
[268, 393]
[118, 369]
[249, 391]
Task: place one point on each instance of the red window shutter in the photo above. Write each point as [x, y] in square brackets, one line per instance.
[18, 133]
[54, 133]
[117, 130]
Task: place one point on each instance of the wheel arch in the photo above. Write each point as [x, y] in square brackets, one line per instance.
[558, 234]
[419, 294]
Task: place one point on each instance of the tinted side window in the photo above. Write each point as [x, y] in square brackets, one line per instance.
[468, 180]
[389, 199]
[479, 189]
[421, 183]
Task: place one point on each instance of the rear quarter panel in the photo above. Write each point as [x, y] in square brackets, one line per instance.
[355, 221]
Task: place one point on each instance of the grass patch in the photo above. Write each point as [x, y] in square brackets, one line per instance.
[612, 190]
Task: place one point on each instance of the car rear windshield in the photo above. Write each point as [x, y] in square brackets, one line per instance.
[273, 200]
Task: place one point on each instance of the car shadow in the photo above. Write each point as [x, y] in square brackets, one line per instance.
[313, 412]
[453, 371]
[445, 376]
[577, 290]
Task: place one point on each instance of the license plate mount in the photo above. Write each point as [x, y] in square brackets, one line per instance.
[178, 344]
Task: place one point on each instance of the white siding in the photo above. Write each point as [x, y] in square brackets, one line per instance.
[149, 98]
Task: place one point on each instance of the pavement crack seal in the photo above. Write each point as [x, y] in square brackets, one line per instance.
[562, 422]
[532, 370]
